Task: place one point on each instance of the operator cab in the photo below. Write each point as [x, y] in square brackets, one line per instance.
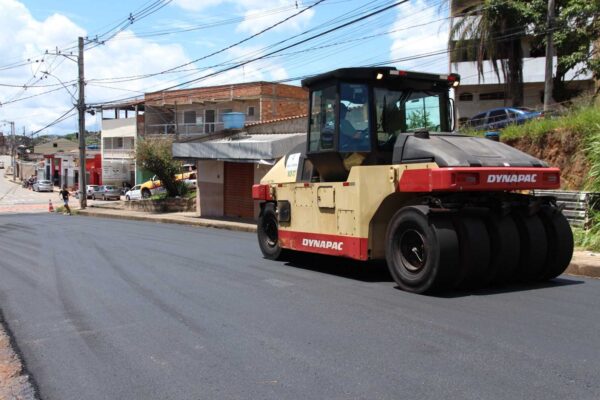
[356, 115]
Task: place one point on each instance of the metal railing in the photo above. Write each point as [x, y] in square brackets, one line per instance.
[577, 206]
[184, 129]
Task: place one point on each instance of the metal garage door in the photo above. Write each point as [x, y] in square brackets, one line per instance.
[239, 178]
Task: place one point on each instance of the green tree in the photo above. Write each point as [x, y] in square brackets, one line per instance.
[577, 26]
[156, 156]
[418, 119]
[493, 30]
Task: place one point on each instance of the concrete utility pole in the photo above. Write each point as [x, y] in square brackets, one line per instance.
[81, 109]
[12, 147]
[549, 84]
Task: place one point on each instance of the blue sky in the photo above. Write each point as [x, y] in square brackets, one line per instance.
[34, 93]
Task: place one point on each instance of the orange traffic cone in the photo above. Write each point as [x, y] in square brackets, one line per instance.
[50, 207]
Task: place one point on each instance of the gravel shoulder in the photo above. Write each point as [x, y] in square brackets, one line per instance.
[15, 383]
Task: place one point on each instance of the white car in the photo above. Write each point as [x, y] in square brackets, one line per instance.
[134, 193]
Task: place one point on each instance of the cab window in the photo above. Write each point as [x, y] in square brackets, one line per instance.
[354, 118]
[322, 119]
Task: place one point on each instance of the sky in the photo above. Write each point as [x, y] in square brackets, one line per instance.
[139, 46]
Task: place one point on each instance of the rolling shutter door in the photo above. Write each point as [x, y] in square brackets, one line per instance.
[239, 178]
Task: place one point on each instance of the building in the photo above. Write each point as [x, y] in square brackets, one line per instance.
[198, 111]
[230, 163]
[476, 94]
[121, 125]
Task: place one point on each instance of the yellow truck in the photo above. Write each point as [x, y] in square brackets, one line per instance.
[384, 177]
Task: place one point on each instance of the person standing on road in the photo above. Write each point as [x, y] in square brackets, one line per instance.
[64, 193]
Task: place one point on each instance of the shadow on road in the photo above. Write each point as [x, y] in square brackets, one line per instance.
[377, 271]
[515, 287]
[370, 271]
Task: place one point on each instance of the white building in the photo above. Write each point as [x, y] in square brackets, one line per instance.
[479, 93]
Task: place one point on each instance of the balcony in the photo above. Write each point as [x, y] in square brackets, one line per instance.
[119, 153]
[184, 129]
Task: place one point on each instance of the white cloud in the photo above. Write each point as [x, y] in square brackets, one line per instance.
[30, 38]
[258, 14]
[422, 39]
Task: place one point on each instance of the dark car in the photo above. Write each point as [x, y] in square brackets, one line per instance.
[498, 118]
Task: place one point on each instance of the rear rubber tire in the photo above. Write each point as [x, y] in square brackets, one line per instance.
[268, 233]
[474, 250]
[533, 249]
[560, 243]
[146, 194]
[505, 247]
[421, 250]
[127, 198]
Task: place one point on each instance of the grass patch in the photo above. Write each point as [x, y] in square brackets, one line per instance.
[61, 210]
[589, 239]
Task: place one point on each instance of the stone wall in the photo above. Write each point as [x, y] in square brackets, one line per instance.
[162, 206]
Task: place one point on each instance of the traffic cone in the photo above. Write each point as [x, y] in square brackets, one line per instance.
[50, 207]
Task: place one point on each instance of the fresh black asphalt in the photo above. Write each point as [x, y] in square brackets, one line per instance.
[108, 309]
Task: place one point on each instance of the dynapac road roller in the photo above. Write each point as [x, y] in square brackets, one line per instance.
[382, 176]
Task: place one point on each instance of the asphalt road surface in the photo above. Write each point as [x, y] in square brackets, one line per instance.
[108, 309]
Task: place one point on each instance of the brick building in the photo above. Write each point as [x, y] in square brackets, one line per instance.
[190, 112]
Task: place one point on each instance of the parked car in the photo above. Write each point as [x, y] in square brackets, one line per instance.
[106, 192]
[90, 190]
[135, 193]
[498, 118]
[43, 186]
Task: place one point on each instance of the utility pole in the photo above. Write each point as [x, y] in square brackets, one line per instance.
[549, 84]
[81, 109]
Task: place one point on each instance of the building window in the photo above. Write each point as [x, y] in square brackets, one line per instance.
[54, 144]
[465, 96]
[251, 111]
[492, 96]
[189, 117]
[119, 143]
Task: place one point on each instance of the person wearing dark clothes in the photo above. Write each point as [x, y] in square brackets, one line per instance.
[64, 193]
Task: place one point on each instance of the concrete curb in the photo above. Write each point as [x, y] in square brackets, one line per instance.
[204, 223]
[584, 263]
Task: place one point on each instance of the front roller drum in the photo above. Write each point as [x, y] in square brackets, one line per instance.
[421, 250]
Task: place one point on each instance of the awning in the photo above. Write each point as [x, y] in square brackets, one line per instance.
[246, 148]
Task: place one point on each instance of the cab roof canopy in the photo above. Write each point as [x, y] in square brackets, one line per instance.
[388, 76]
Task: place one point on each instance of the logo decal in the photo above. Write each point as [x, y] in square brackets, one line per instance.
[512, 178]
[322, 244]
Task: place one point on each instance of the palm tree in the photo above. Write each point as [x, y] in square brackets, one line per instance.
[492, 30]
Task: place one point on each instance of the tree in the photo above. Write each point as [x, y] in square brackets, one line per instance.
[156, 156]
[577, 26]
[493, 30]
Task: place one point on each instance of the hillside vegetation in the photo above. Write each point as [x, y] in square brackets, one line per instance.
[572, 143]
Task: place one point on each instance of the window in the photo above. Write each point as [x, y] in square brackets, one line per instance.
[406, 111]
[322, 120]
[354, 118]
[477, 120]
[189, 117]
[54, 144]
[251, 111]
[492, 96]
[465, 96]
[118, 143]
[496, 115]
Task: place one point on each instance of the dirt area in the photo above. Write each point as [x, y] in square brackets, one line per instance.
[562, 149]
[14, 385]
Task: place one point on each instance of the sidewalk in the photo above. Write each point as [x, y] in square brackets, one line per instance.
[584, 263]
[182, 218]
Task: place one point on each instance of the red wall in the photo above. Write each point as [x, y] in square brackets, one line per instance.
[94, 168]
